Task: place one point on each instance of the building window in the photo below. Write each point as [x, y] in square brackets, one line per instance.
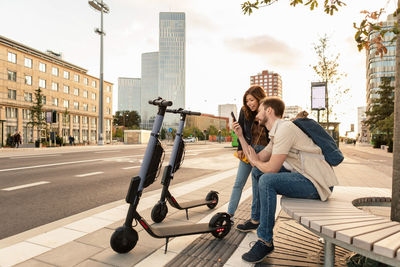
[66, 104]
[66, 89]
[94, 84]
[108, 111]
[66, 75]
[76, 91]
[28, 97]
[55, 102]
[26, 114]
[12, 94]
[12, 57]
[75, 119]
[76, 78]
[85, 107]
[28, 62]
[54, 71]
[44, 101]
[42, 67]
[28, 80]
[11, 113]
[85, 120]
[85, 81]
[94, 108]
[108, 99]
[93, 96]
[85, 94]
[76, 105]
[54, 86]
[12, 76]
[42, 83]
[108, 88]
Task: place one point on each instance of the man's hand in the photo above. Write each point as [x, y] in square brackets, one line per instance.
[251, 155]
[237, 129]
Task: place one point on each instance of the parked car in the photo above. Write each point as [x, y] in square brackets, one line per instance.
[189, 139]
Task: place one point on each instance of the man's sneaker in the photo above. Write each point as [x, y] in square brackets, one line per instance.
[258, 252]
[247, 226]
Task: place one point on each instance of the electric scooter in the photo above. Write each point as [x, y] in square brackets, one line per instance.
[160, 210]
[125, 237]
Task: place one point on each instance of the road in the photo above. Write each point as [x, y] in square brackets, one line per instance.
[40, 187]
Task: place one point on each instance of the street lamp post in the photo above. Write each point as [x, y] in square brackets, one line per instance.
[103, 8]
[2, 132]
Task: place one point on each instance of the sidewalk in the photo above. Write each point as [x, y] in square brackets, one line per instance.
[83, 240]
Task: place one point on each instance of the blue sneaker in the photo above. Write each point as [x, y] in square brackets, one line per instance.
[258, 252]
[247, 226]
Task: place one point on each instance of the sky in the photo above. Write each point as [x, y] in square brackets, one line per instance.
[224, 47]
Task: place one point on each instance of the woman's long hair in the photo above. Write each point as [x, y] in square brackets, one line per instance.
[258, 93]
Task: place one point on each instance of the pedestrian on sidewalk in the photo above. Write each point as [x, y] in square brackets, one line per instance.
[278, 169]
[17, 139]
[254, 135]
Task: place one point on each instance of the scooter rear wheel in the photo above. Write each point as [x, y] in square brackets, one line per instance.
[159, 212]
[212, 196]
[124, 239]
[222, 222]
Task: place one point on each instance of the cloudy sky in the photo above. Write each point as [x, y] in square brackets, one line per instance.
[223, 46]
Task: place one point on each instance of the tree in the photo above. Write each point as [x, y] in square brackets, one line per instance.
[380, 117]
[129, 119]
[362, 35]
[38, 119]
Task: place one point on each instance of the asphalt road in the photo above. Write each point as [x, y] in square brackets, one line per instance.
[39, 187]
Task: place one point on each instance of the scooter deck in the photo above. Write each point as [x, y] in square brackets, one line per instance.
[194, 203]
[180, 230]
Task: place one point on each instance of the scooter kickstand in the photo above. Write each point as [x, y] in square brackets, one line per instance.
[187, 214]
[166, 245]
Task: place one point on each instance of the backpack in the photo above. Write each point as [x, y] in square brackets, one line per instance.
[321, 138]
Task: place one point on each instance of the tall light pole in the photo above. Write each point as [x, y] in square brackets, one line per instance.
[99, 5]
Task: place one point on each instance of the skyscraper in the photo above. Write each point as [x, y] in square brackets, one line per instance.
[270, 81]
[129, 94]
[150, 66]
[171, 82]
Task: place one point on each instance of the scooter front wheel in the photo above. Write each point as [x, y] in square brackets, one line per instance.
[124, 239]
[159, 212]
[213, 197]
[222, 222]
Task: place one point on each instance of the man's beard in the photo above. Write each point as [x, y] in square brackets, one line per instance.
[263, 122]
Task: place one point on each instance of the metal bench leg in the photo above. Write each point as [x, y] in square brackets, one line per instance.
[329, 254]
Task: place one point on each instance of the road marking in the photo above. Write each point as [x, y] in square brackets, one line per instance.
[38, 156]
[133, 167]
[88, 174]
[108, 151]
[191, 154]
[24, 186]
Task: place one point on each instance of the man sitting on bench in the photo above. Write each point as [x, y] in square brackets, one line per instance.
[291, 165]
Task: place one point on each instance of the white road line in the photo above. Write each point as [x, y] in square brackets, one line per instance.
[24, 186]
[35, 156]
[60, 163]
[133, 167]
[88, 174]
[191, 154]
[108, 151]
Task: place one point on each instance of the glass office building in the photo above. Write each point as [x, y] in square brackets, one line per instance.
[129, 94]
[149, 88]
[171, 82]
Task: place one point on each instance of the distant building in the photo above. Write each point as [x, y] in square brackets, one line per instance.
[129, 94]
[171, 82]
[362, 129]
[291, 112]
[66, 89]
[270, 81]
[149, 89]
[204, 121]
[225, 111]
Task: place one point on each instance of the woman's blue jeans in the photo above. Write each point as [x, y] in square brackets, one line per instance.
[284, 183]
[241, 178]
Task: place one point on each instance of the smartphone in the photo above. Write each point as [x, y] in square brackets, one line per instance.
[233, 117]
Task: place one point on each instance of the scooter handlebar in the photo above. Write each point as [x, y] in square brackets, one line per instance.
[160, 102]
[182, 111]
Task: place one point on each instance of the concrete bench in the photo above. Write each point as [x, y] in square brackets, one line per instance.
[340, 223]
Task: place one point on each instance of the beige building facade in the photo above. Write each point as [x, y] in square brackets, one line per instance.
[66, 89]
[204, 121]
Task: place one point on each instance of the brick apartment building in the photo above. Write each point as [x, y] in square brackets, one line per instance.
[270, 81]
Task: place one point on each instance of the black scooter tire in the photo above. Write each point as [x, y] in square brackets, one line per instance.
[212, 195]
[159, 212]
[221, 219]
[124, 239]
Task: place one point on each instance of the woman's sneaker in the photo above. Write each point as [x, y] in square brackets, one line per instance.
[247, 226]
[258, 252]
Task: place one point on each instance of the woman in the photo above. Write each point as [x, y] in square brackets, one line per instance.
[256, 136]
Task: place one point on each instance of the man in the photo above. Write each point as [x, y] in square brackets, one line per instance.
[17, 139]
[291, 165]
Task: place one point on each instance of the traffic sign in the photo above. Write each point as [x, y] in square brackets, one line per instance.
[170, 130]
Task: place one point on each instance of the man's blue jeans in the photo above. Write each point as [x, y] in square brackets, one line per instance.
[241, 178]
[284, 183]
